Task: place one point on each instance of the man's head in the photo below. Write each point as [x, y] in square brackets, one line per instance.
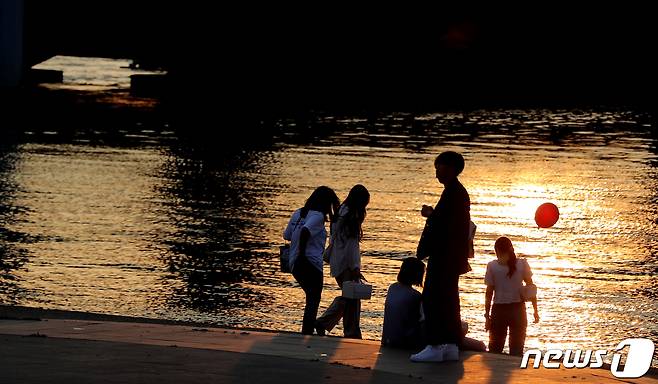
[448, 166]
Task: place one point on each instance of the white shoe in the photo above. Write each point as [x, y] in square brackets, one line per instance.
[431, 353]
[450, 352]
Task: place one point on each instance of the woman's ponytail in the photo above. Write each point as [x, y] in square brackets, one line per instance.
[503, 244]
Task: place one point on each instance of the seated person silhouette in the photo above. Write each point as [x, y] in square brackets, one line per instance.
[403, 314]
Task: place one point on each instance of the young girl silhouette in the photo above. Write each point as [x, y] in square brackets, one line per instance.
[504, 279]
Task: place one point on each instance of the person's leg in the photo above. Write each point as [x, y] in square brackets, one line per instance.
[331, 315]
[497, 329]
[431, 308]
[334, 312]
[517, 329]
[351, 318]
[442, 310]
[452, 332]
[310, 279]
[300, 276]
[312, 299]
[470, 344]
[433, 301]
[420, 341]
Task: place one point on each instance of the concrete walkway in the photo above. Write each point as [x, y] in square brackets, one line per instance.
[87, 351]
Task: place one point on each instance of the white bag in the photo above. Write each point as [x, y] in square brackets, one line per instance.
[529, 292]
[357, 290]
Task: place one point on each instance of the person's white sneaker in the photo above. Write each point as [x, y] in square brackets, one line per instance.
[431, 353]
[450, 352]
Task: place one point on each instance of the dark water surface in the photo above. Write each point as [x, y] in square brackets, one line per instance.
[141, 223]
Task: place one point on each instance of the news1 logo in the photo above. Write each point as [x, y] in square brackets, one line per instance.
[638, 359]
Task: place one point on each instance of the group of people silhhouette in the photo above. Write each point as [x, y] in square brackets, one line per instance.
[429, 322]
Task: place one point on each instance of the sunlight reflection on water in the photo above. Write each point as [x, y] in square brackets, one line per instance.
[157, 229]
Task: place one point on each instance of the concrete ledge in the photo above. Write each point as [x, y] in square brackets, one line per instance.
[185, 353]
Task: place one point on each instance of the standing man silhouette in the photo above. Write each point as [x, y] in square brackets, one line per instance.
[445, 242]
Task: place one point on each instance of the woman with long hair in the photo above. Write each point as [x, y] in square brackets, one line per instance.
[308, 236]
[345, 262]
[504, 279]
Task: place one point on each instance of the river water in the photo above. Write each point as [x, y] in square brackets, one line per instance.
[140, 222]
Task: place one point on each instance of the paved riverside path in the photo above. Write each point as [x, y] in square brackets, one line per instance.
[88, 351]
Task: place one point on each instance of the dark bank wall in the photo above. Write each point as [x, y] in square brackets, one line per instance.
[271, 57]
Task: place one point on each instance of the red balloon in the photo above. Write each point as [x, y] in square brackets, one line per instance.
[547, 215]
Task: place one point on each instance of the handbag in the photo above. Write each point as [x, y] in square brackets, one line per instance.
[356, 290]
[284, 258]
[529, 292]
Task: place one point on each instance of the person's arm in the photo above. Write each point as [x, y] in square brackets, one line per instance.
[287, 234]
[426, 238]
[290, 228]
[303, 240]
[528, 281]
[534, 306]
[351, 249]
[488, 295]
[489, 281]
[421, 251]
[471, 236]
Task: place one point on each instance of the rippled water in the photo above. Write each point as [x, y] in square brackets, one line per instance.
[147, 225]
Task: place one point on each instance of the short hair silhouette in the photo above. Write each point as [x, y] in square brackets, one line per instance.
[412, 271]
[452, 159]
